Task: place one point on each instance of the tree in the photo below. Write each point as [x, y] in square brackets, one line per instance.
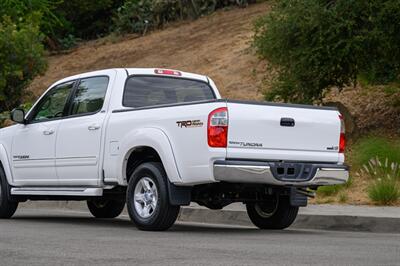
[21, 58]
[318, 44]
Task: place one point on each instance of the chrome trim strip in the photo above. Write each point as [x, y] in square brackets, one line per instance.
[262, 174]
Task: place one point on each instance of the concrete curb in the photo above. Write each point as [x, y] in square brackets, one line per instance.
[303, 221]
[322, 217]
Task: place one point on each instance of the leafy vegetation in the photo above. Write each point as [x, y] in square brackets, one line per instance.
[384, 191]
[385, 174]
[137, 16]
[318, 44]
[21, 57]
[370, 147]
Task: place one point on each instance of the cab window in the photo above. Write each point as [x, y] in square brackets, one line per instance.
[89, 96]
[142, 91]
[52, 105]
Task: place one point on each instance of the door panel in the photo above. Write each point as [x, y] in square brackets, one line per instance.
[78, 150]
[33, 148]
[33, 154]
[78, 143]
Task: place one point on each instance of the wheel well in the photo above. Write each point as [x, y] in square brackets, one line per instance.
[138, 156]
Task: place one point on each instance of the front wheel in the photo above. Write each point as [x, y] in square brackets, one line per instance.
[147, 198]
[104, 208]
[7, 207]
[277, 214]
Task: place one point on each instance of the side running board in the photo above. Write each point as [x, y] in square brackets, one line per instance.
[56, 191]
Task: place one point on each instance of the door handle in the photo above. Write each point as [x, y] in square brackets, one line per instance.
[93, 127]
[48, 132]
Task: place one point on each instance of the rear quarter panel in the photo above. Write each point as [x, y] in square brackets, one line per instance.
[187, 140]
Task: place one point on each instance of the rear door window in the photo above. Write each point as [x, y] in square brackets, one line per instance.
[89, 96]
[141, 91]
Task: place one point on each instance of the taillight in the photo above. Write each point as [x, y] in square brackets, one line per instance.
[167, 72]
[217, 128]
[342, 140]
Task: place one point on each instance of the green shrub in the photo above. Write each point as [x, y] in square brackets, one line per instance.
[318, 44]
[136, 16]
[330, 190]
[21, 58]
[17, 10]
[377, 168]
[372, 147]
[384, 191]
[385, 177]
[85, 19]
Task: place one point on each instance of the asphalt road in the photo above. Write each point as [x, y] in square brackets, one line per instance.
[43, 237]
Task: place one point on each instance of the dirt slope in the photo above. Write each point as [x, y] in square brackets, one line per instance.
[216, 45]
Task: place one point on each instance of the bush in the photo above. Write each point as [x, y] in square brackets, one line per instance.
[381, 169]
[85, 19]
[136, 16]
[372, 147]
[329, 190]
[17, 10]
[21, 58]
[385, 177]
[384, 191]
[318, 44]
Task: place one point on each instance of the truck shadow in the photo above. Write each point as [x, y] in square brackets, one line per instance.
[124, 223]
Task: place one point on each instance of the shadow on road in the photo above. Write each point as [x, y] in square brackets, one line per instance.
[124, 223]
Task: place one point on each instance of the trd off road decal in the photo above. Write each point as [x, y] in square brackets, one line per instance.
[245, 144]
[189, 123]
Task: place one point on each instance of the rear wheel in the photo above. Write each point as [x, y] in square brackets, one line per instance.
[105, 208]
[7, 207]
[147, 198]
[277, 214]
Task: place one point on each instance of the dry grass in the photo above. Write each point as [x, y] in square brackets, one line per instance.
[217, 45]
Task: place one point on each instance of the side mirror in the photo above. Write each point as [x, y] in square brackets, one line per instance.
[18, 116]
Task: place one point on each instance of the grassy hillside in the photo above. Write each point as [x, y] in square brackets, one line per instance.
[215, 45]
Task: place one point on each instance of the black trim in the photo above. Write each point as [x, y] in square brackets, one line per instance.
[291, 105]
[329, 108]
[164, 106]
[161, 76]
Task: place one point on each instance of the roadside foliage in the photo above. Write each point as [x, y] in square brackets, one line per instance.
[317, 44]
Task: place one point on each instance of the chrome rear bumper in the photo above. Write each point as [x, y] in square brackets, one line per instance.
[265, 173]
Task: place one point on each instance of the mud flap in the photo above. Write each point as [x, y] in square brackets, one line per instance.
[179, 195]
[297, 199]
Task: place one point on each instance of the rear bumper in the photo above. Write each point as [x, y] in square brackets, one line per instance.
[306, 174]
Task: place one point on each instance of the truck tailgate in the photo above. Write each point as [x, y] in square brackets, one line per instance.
[283, 132]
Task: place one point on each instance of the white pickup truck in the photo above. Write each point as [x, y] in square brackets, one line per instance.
[159, 139]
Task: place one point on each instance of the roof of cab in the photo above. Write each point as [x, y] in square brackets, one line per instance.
[162, 72]
[140, 71]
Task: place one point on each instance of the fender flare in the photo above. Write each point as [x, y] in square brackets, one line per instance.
[154, 138]
[6, 164]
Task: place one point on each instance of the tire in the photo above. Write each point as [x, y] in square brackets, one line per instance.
[103, 208]
[147, 198]
[7, 207]
[276, 215]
